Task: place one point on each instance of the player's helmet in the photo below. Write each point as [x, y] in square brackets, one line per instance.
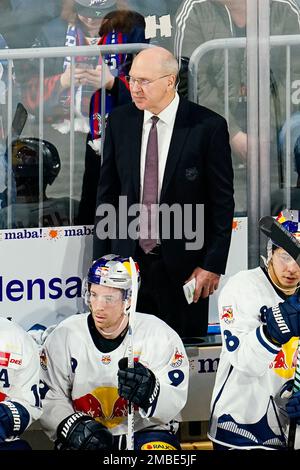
[111, 271]
[25, 159]
[290, 220]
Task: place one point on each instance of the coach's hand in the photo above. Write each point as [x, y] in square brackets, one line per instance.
[206, 283]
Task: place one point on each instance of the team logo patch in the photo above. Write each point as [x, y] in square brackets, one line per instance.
[177, 359]
[285, 361]
[101, 271]
[106, 359]
[227, 315]
[157, 445]
[4, 358]
[105, 405]
[15, 361]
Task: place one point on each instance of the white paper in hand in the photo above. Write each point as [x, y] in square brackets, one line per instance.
[189, 289]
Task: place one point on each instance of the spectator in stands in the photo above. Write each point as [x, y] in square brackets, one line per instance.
[79, 24]
[198, 22]
[4, 85]
[159, 18]
[27, 16]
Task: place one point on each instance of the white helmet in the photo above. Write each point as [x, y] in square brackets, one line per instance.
[111, 271]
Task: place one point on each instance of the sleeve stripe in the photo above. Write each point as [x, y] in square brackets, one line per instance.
[264, 342]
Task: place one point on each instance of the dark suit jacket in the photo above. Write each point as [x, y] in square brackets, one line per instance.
[198, 171]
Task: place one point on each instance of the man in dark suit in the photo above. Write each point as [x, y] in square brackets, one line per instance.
[194, 172]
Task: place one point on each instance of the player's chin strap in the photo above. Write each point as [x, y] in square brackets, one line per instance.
[114, 334]
[126, 307]
[269, 267]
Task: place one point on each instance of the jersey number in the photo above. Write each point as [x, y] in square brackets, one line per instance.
[4, 378]
[176, 376]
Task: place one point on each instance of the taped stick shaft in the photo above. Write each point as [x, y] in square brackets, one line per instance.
[134, 281]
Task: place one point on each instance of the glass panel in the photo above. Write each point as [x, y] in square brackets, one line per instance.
[220, 73]
[284, 105]
[179, 25]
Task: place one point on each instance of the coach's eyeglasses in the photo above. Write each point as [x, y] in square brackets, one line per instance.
[142, 82]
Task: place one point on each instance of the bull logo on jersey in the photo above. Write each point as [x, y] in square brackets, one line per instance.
[177, 359]
[227, 315]
[285, 361]
[106, 359]
[105, 405]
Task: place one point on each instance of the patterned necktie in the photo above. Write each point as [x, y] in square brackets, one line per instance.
[148, 217]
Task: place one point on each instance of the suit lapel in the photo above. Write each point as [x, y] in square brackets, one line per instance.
[134, 131]
[178, 138]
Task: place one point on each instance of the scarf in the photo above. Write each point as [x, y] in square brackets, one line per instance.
[87, 100]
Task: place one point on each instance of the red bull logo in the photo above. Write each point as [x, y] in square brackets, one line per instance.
[279, 361]
[227, 315]
[177, 359]
[102, 271]
[106, 359]
[105, 405]
[285, 361]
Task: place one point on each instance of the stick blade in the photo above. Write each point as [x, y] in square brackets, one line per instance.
[280, 236]
[265, 225]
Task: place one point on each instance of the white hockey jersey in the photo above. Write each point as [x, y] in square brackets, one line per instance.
[79, 377]
[245, 409]
[19, 369]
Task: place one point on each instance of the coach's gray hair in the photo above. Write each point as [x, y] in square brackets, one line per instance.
[170, 65]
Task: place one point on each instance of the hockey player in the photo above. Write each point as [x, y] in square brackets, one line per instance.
[19, 385]
[259, 314]
[88, 380]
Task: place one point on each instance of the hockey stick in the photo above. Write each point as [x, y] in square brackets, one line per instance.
[296, 388]
[134, 282]
[290, 244]
[19, 121]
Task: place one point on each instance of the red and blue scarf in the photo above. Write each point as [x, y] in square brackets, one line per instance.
[91, 105]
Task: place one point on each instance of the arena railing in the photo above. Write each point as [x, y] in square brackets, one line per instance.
[42, 54]
[258, 115]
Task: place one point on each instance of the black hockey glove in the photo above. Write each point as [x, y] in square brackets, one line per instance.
[283, 320]
[79, 431]
[14, 419]
[137, 384]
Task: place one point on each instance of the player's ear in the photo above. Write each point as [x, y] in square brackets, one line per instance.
[127, 303]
